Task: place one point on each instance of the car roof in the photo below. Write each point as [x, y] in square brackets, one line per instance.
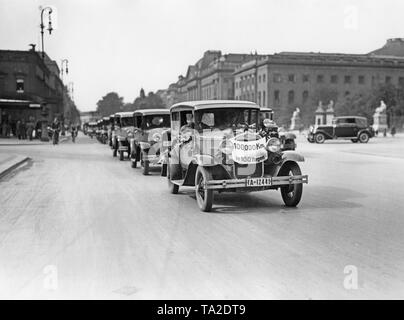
[209, 104]
[124, 114]
[152, 111]
[347, 117]
[265, 109]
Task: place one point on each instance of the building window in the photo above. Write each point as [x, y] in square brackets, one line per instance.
[347, 79]
[291, 78]
[277, 98]
[277, 77]
[305, 96]
[259, 79]
[361, 79]
[306, 78]
[259, 97]
[263, 98]
[388, 79]
[20, 86]
[334, 79]
[263, 78]
[320, 78]
[291, 97]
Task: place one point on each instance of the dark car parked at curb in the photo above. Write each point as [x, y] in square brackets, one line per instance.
[146, 141]
[347, 128]
[216, 146]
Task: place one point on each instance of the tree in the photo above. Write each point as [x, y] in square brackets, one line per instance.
[110, 104]
[150, 102]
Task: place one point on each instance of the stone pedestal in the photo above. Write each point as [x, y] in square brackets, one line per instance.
[379, 122]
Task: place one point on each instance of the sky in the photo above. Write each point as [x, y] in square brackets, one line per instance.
[126, 45]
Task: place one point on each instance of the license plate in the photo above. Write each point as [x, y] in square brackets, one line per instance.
[258, 182]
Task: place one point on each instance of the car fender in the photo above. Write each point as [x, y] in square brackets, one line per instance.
[292, 156]
[204, 160]
[369, 132]
[327, 135]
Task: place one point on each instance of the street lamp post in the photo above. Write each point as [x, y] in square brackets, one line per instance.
[64, 67]
[42, 26]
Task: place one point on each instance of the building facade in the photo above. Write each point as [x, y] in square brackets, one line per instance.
[291, 80]
[30, 89]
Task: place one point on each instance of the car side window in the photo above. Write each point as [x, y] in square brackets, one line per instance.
[138, 121]
[175, 121]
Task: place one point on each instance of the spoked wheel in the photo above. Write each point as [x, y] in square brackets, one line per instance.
[204, 196]
[319, 137]
[292, 193]
[171, 186]
[363, 137]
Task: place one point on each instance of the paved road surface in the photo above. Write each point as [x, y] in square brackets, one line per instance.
[104, 230]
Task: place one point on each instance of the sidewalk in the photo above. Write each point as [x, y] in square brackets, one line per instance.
[27, 142]
[9, 162]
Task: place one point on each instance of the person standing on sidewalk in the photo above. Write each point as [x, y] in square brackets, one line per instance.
[18, 130]
[56, 129]
[73, 131]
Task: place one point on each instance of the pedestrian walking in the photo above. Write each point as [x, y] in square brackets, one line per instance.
[23, 129]
[56, 129]
[73, 131]
[30, 130]
[18, 130]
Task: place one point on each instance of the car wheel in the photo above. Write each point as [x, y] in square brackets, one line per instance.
[320, 138]
[354, 140]
[114, 152]
[174, 188]
[291, 194]
[363, 137]
[164, 170]
[146, 164]
[121, 155]
[204, 196]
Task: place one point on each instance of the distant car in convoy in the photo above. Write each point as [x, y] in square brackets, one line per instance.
[146, 140]
[123, 126]
[92, 129]
[348, 128]
[216, 146]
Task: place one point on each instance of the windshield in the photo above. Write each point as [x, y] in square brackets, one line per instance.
[127, 121]
[156, 121]
[266, 115]
[234, 118]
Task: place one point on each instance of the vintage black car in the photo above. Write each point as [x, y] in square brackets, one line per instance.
[216, 146]
[348, 128]
[269, 129]
[146, 140]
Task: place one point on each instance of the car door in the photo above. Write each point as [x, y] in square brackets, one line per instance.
[343, 128]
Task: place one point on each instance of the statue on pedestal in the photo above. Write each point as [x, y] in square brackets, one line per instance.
[380, 118]
[296, 121]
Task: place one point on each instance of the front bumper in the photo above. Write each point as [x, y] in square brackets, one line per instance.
[249, 183]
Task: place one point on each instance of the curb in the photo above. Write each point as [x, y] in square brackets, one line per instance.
[13, 167]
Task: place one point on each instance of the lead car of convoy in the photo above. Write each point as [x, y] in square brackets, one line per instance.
[215, 146]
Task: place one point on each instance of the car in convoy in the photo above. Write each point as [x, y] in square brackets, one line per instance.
[92, 129]
[352, 128]
[146, 140]
[216, 146]
[123, 127]
[269, 129]
[110, 129]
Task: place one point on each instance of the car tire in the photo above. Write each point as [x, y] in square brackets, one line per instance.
[174, 188]
[364, 137]
[354, 140]
[146, 164]
[121, 155]
[291, 194]
[114, 152]
[164, 170]
[319, 138]
[204, 197]
[134, 163]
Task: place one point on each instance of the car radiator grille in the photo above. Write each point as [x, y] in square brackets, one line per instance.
[248, 170]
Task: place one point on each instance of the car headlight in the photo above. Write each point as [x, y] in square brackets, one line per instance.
[145, 145]
[274, 145]
[156, 137]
